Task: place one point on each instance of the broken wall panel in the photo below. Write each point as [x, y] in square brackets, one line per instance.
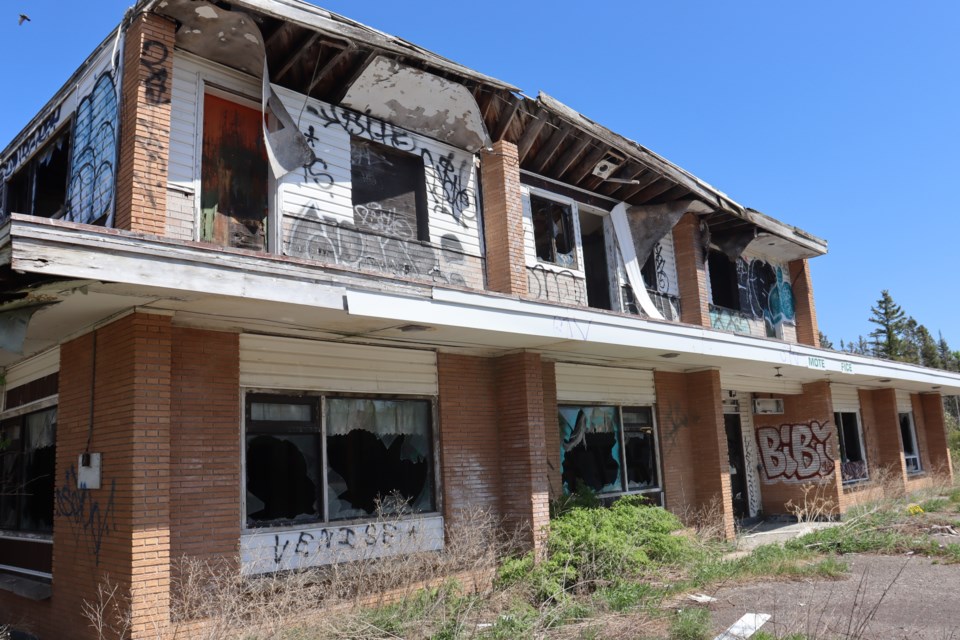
[552, 282]
[89, 114]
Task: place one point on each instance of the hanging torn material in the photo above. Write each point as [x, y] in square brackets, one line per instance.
[638, 229]
[419, 101]
[14, 324]
[233, 39]
[734, 241]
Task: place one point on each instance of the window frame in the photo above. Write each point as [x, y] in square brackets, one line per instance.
[842, 445]
[577, 251]
[19, 416]
[913, 441]
[64, 130]
[658, 467]
[711, 253]
[320, 399]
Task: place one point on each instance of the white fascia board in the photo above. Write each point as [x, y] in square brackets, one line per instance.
[111, 257]
[555, 323]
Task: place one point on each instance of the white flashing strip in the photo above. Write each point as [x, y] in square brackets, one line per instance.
[745, 627]
[484, 312]
[621, 228]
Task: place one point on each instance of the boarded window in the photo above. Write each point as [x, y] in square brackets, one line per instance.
[366, 455]
[389, 191]
[553, 232]
[608, 449]
[233, 187]
[39, 188]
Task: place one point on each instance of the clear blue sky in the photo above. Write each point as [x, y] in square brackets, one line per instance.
[841, 118]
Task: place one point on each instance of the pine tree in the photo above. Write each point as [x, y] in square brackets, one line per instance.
[910, 342]
[947, 361]
[825, 341]
[927, 347]
[890, 320]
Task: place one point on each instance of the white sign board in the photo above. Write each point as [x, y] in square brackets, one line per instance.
[316, 546]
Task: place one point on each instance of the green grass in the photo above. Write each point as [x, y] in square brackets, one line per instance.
[690, 624]
[935, 504]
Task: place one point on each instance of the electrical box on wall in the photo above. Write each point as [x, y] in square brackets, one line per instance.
[88, 471]
[768, 405]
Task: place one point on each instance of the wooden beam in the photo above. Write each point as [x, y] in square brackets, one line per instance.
[629, 190]
[488, 111]
[530, 133]
[626, 172]
[678, 191]
[276, 35]
[329, 66]
[506, 117]
[660, 186]
[570, 156]
[546, 153]
[365, 58]
[295, 58]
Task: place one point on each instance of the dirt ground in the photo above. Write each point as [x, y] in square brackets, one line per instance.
[876, 600]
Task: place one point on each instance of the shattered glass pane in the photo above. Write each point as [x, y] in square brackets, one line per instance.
[553, 231]
[282, 473]
[590, 448]
[640, 448]
[378, 453]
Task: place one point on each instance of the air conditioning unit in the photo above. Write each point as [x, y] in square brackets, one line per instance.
[768, 405]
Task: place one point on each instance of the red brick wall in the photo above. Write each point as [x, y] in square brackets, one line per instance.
[691, 271]
[808, 331]
[205, 444]
[815, 403]
[469, 447]
[931, 406]
[524, 486]
[503, 219]
[693, 443]
[145, 125]
[885, 430]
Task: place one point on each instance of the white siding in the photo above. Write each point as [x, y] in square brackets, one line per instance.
[759, 385]
[904, 405]
[271, 362]
[607, 385]
[33, 368]
[845, 397]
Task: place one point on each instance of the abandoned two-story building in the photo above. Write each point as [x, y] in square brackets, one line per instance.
[263, 269]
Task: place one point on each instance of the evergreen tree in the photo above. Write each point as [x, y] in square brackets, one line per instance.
[947, 360]
[910, 342]
[825, 341]
[890, 320]
[927, 347]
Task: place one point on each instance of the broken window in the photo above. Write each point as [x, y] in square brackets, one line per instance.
[312, 459]
[553, 232]
[39, 188]
[724, 284]
[388, 191]
[233, 181]
[853, 460]
[27, 457]
[608, 449]
[908, 436]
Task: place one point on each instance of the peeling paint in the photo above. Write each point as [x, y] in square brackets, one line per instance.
[419, 101]
[207, 12]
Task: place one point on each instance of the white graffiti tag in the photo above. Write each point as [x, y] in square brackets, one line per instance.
[796, 452]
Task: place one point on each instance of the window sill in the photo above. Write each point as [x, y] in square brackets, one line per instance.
[26, 587]
[333, 524]
[855, 485]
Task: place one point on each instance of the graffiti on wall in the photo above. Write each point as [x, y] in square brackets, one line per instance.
[88, 519]
[90, 193]
[331, 544]
[764, 291]
[153, 56]
[556, 285]
[449, 184]
[323, 238]
[796, 452]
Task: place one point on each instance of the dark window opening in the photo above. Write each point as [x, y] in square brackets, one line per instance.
[608, 449]
[595, 264]
[853, 463]
[377, 454]
[649, 273]
[39, 188]
[233, 180]
[724, 284]
[908, 436]
[388, 190]
[553, 232]
[27, 458]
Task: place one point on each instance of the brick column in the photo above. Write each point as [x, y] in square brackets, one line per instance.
[886, 432]
[807, 330]
[145, 124]
[693, 443]
[935, 432]
[691, 272]
[503, 219]
[524, 486]
[121, 530]
[205, 444]
[469, 449]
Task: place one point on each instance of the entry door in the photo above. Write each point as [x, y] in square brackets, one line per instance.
[738, 472]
